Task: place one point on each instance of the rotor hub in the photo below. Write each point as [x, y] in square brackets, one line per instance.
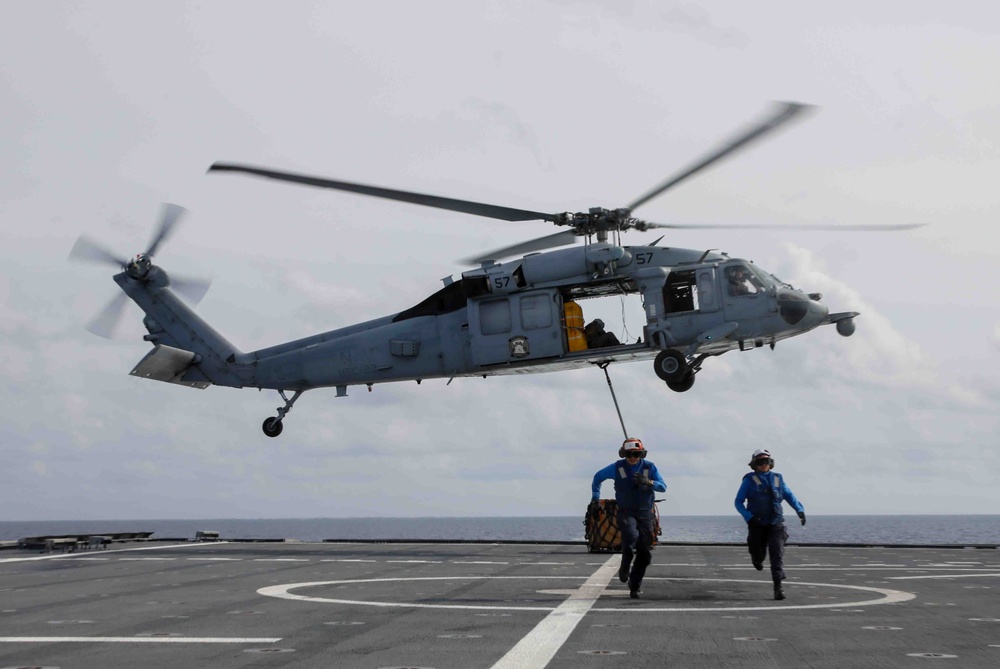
[598, 221]
[139, 266]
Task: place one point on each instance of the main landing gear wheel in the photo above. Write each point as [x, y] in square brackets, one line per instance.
[272, 427]
[671, 365]
[683, 385]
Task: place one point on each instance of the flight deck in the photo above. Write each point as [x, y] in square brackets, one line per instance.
[493, 605]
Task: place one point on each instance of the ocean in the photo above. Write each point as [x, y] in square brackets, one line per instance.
[916, 530]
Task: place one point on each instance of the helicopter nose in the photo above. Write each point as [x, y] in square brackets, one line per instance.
[795, 307]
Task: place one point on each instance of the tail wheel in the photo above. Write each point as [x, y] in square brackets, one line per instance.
[272, 427]
[671, 365]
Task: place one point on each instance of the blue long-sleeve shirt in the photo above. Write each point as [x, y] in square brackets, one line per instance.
[628, 493]
[758, 496]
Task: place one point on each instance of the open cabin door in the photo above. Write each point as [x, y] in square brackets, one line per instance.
[691, 302]
[521, 326]
[690, 291]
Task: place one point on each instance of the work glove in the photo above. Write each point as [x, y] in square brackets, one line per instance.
[754, 520]
[594, 509]
[643, 480]
[802, 518]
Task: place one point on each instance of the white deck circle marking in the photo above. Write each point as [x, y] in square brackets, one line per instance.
[284, 592]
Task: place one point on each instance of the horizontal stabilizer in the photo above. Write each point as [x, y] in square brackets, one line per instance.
[166, 363]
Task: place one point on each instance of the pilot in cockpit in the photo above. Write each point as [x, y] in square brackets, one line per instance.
[738, 279]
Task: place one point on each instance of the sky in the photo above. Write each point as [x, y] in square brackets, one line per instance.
[112, 108]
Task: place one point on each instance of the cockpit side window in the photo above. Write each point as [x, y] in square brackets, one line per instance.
[741, 281]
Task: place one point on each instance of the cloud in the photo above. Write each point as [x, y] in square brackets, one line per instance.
[606, 101]
[877, 353]
[323, 294]
[696, 22]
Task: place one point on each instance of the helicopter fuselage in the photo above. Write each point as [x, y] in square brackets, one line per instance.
[516, 317]
[499, 319]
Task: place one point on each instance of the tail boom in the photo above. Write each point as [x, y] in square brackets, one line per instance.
[187, 350]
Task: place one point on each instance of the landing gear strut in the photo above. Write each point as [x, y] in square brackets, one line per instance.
[272, 426]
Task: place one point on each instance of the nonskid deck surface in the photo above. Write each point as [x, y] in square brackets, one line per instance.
[466, 606]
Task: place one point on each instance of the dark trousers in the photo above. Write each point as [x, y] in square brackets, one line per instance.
[637, 537]
[768, 539]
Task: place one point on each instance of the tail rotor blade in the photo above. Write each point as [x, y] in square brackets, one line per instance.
[192, 289]
[168, 221]
[89, 251]
[105, 322]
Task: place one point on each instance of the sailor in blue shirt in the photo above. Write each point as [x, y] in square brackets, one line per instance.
[636, 479]
[759, 502]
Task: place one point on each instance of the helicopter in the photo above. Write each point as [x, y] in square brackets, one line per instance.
[504, 317]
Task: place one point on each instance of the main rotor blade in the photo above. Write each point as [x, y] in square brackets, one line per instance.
[89, 251]
[451, 204]
[192, 289]
[550, 241]
[826, 227]
[784, 112]
[105, 322]
[168, 220]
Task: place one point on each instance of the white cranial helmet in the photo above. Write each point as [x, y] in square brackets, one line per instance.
[634, 446]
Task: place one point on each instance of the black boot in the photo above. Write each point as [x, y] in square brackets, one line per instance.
[778, 592]
[624, 568]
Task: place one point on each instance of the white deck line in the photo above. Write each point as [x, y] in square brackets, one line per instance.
[83, 555]
[132, 639]
[914, 578]
[540, 645]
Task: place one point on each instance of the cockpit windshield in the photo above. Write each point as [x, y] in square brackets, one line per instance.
[745, 279]
[782, 284]
[766, 279]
